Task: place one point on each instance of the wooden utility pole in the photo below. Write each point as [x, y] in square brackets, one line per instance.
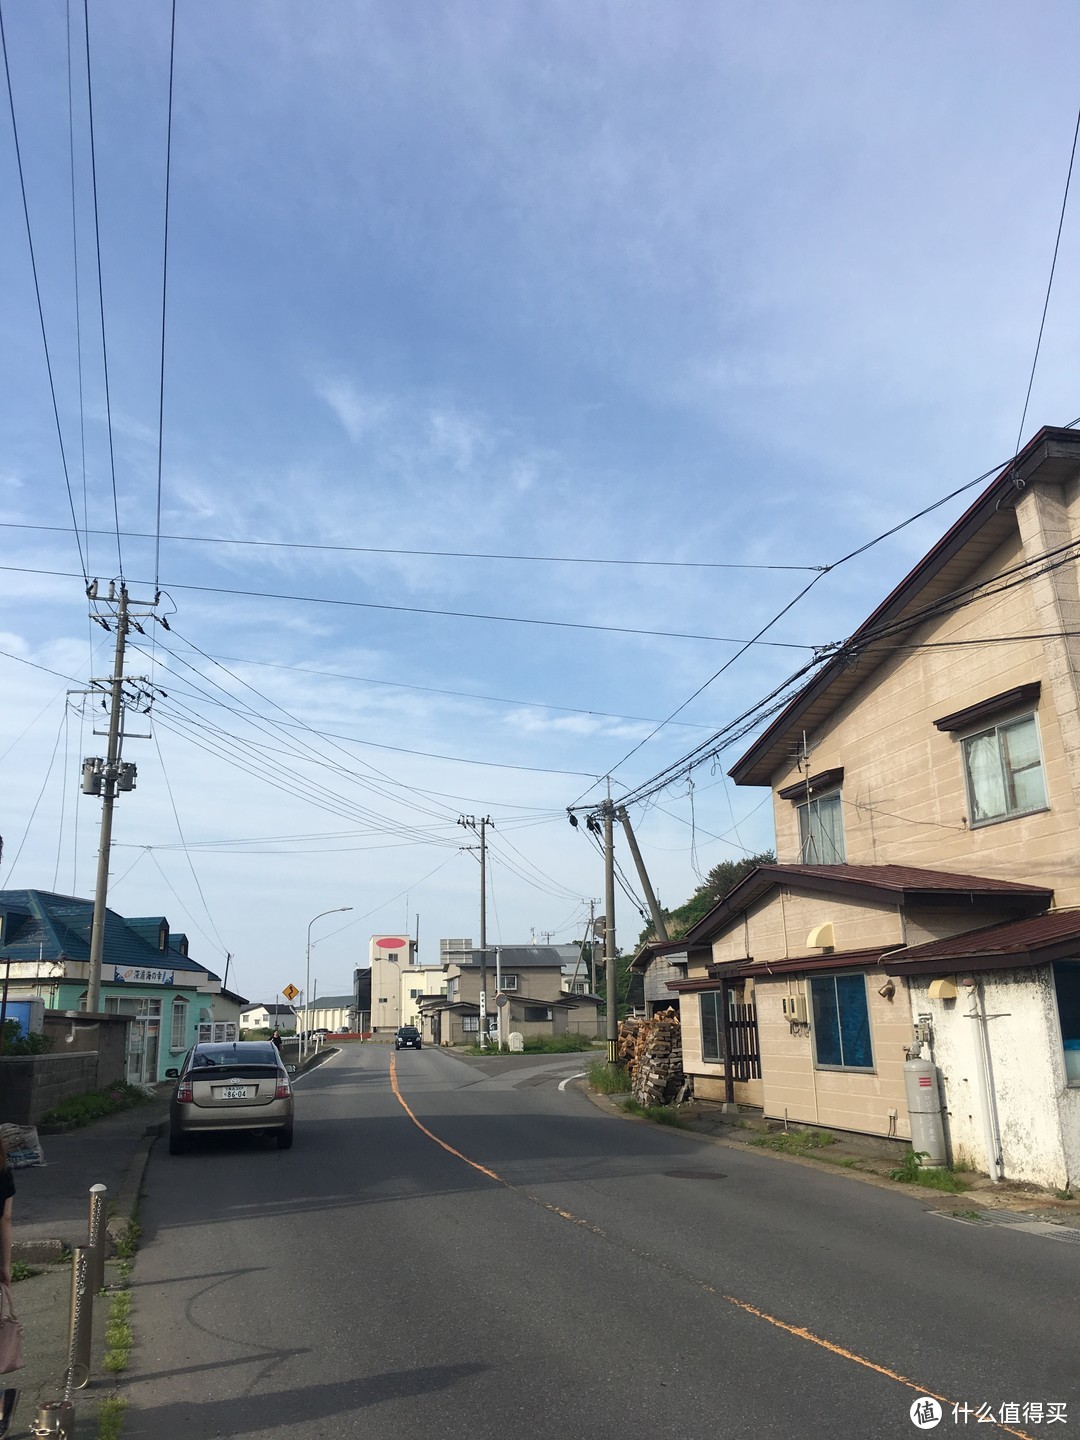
[108, 795]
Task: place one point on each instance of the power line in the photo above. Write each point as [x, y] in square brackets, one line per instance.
[245, 541]
[101, 291]
[37, 293]
[1049, 283]
[447, 614]
[458, 694]
[164, 293]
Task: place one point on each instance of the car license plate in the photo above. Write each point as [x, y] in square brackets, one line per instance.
[234, 1092]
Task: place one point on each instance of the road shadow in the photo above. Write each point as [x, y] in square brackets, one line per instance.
[258, 1413]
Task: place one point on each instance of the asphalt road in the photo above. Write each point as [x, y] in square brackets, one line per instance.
[462, 1251]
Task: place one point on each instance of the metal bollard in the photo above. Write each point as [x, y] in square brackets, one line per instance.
[81, 1323]
[55, 1420]
[95, 1236]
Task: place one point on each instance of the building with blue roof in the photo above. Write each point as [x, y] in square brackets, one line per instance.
[146, 974]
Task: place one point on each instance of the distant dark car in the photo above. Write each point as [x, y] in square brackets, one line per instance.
[407, 1038]
[242, 1085]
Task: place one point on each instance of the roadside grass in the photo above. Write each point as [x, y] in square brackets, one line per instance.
[128, 1243]
[19, 1271]
[795, 1142]
[911, 1171]
[110, 1417]
[607, 1079]
[79, 1110]
[972, 1215]
[662, 1114]
[118, 1333]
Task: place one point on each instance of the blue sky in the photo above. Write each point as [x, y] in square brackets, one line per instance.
[682, 282]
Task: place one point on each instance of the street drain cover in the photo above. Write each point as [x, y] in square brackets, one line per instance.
[694, 1175]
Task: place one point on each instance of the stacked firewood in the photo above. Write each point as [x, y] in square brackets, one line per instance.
[652, 1052]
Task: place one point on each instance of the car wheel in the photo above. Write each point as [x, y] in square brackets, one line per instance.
[419, 1046]
[284, 1139]
[177, 1143]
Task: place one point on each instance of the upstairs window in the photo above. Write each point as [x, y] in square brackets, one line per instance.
[1003, 771]
[818, 802]
[509, 982]
[821, 831]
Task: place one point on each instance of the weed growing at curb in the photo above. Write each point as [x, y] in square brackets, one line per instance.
[19, 1271]
[118, 1333]
[968, 1215]
[111, 1417]
[662, 1114]
[129, 1241]
[608, 1079]
[912, 1172]
[795, 1142]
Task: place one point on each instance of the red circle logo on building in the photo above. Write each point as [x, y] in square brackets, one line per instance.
[391, 943]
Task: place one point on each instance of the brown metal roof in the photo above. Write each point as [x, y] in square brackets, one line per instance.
[1052, 454]
[1015, 945]
[871, 882]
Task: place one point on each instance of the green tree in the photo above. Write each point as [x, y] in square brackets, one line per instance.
[720, 879]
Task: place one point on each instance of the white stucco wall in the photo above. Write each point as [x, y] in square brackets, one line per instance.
[1027, 1073]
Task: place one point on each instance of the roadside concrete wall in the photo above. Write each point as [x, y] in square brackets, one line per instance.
[103, 1035]
[30, 1085]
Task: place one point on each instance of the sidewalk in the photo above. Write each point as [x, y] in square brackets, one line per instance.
[50, 1215]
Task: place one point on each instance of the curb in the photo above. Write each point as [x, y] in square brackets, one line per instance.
[127, 1199]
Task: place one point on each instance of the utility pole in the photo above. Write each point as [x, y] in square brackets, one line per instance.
[654, 909]
[609, 934]
[109, 776]
[470, 822]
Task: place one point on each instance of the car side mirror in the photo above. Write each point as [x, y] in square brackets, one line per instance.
[172, 1074]
[292, 1069]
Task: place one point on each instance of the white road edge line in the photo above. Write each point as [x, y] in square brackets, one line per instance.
[563, 1083]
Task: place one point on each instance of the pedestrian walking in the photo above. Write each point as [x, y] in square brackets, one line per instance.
[10, 1346]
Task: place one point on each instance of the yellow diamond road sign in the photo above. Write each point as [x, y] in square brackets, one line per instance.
[290, 992]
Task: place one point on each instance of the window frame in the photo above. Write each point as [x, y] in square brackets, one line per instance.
[178, 1013]
[509, 982]
[811, 808]
[717, 1019]
[532, 1018]
[1002, 723]
[817, 1030]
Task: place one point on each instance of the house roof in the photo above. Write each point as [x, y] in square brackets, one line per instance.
[1053, 454]
[517, 957]
[1015, 945]
[57, 927]
[270, 1009]
[871, 882]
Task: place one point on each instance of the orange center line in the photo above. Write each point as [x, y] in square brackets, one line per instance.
[798, 1331]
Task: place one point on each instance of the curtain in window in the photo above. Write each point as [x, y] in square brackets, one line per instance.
[821, 831]
[985, 779]
[854, 1022]
[841, 1022]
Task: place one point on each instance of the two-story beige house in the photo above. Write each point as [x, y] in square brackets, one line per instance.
[526, 979]
[926, 797]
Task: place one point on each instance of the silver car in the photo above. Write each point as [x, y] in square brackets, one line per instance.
[242, 1085]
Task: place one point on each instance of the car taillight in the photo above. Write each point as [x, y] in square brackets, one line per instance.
[183, 1092]
[282, 1092]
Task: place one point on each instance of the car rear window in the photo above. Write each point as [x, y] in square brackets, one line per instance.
[208, 1057]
